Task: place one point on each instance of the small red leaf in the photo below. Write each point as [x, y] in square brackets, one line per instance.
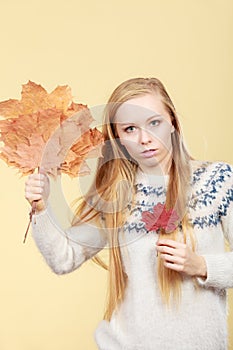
[161, 218]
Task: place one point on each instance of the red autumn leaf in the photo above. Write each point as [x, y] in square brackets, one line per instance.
[160, 218]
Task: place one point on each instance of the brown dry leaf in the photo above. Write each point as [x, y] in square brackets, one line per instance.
[88, 146]
[24, 156]
[60, 98]
[61, 142]
[19, 129]
[48, 121]
[10, 108]
[97, 140]
[29, 156]
[88, 143]
[76, 168]
[75, 107]
[9, 156]
[34, 98]
[82, 115]
[50, 158]
[72, 168]
[42, 129]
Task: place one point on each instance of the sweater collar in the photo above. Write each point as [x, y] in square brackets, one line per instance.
[151, 179]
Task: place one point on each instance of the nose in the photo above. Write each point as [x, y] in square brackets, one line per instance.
[145, 137]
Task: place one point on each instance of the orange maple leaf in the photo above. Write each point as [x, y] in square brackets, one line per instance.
[88, 146]
[35, 98]
[41, 128]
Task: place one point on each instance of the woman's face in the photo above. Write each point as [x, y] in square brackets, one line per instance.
[144, 128]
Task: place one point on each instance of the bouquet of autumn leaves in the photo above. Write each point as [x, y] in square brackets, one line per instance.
[47, 130]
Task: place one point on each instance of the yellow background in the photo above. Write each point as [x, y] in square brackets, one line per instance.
[93, 46]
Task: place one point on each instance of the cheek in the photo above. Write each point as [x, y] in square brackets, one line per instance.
[122, 139]
[163, 136]
[128, 144]
[121, 135]
[126, 139]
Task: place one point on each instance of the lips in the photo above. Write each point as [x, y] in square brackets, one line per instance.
[149, 152]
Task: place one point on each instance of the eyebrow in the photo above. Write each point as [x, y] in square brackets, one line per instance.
[149, 119]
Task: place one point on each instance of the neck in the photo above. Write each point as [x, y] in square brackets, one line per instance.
[162, 169]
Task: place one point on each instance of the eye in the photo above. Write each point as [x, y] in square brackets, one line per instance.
[130, 129]
[155, 122]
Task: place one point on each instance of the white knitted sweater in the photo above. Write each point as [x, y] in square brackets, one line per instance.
[142, 321]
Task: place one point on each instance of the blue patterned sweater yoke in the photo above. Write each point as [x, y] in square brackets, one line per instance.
[201, 198]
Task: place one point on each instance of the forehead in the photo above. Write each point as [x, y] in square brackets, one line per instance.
[141, 108]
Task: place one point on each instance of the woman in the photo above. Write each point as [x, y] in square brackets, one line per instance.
[167, 290]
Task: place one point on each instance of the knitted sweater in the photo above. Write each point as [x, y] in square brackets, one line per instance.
[142, 321]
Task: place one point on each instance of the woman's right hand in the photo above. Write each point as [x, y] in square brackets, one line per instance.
[37, 188]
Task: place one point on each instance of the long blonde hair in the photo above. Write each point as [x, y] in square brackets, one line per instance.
[111, 191]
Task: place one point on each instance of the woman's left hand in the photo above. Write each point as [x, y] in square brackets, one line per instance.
[179, 257]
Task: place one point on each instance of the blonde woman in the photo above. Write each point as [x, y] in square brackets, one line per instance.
[167, 290]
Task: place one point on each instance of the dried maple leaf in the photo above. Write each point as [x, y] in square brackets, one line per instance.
[88, 146]
[30, 155]
[68, 148]
[41, 128]
[60, 98]
[34, 98]
[11, 108]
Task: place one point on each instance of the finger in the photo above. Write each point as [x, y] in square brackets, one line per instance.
[166, 250]
[32, 197]
[34, 183]
[172, 259]
[170, 243]
[36, 176]
[34, 189]
[175, 267]
[172, 251]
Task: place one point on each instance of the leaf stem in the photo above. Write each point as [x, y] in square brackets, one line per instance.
[32, 212]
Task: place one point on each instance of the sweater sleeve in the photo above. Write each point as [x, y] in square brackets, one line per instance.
[220, 266]
[65, 250]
